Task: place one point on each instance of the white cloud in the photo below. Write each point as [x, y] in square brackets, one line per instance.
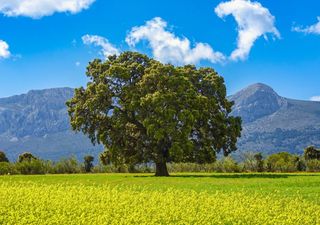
[315, 98]
[4, 50]
[77, 63]
[40, 8]
[313, 29]
[168, 48]
[253, 21]
[107, 47]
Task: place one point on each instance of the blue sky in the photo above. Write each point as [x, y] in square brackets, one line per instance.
[49, 44]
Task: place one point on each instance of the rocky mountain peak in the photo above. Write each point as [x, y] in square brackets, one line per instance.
[256, 101]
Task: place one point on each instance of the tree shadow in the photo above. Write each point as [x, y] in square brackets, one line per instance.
[232, 176]
[246, 176]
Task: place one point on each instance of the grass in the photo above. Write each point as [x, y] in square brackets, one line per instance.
[142, 198]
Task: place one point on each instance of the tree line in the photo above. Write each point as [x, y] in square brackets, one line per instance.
[249, 162]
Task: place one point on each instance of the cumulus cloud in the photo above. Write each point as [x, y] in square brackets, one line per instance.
[168, 48]
[315, 98]
[107, 48]
[313, 29]
[253, 21]
[4, 50]
[40, 8]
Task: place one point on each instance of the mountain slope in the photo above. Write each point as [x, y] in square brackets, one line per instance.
[272, 123]
[38, 122]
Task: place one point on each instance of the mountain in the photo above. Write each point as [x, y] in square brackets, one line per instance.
[272, 123]
[38, 122]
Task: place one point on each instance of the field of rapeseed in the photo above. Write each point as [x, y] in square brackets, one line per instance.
[184, 199]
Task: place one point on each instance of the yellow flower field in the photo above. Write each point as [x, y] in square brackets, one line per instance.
[26, 202]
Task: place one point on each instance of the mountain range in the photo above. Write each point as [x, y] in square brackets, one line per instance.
[38, 122]
[272, 123]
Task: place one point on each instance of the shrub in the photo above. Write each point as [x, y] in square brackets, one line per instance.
[313, 165]
[7, 168]
[34, 166]
[70, 165]
[229, 165]
[252, 162]
[281, 162]
[88, 165]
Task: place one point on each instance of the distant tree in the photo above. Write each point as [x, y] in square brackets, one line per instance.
[252, 161]
[249, 162]
[88, 163]
[3, 157]
[301, 166]
[311, 153]
[259, 162]
[26, 157]
[143, 110]
[281, 162]
[67, 165]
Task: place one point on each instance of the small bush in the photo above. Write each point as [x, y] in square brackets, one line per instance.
[313, 165]
[67, 166]
[282, 162]
[7, 168]
[33, 166]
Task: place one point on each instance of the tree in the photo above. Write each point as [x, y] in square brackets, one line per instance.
[311, 153]
[259, 162]
[26, 157]
[88, 165]
[142, 110]
[282, 162]
[3, 157]
[301, 166]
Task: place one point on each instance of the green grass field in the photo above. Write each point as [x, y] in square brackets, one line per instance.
[144, 199]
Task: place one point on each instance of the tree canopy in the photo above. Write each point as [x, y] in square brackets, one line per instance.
[26, 157]
[142, 110]
[88, 163]
[3, 157]
[311, 153]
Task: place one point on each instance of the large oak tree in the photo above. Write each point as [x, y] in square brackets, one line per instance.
[144, 111]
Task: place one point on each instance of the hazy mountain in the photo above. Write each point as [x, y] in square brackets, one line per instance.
[38, 122]
[272, 123]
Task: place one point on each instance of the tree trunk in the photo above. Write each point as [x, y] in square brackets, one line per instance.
[161, 169]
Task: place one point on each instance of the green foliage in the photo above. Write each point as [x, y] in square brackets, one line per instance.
[88, 163]
[252, 162]
[229, 165]
[259, 162]
[311, 153]
[313, 165]
[143, 111]
[7, 168]
[282, 162]
[26, 157]
[3, 157]
[105, 157]
[34, 166]
[67, 166]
